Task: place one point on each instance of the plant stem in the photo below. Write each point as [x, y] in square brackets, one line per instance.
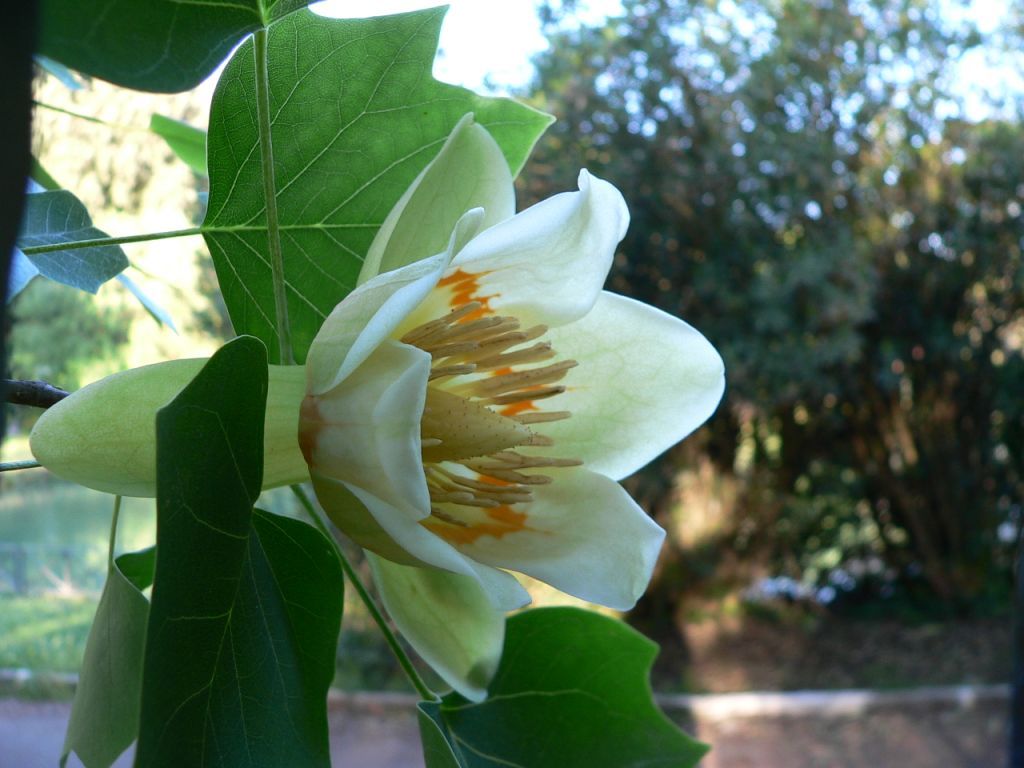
[270, 196]
[89, 118]
[113, 532]
[29, 250]
[73, 245]
[364, 595]
[10, 466]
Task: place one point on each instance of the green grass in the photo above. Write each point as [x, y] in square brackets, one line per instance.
[44, 633]
[64, 530]
[48, 634]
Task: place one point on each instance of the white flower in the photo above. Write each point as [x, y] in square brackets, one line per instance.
[471, 405]
[466, 411]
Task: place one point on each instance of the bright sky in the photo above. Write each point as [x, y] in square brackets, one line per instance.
[985, 72]
[481, 39]
[492, 41]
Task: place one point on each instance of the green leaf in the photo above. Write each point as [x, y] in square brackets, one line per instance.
[186, 141]
[156, 45]
[158, 313]
[246, 605]
[105, 713]
[138, 567]
[572, 689]
[356, 115]
[41, 176]
[437, 751]
[59, 217]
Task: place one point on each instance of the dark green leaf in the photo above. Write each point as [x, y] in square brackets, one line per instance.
[59, 217]
[156, 45]
[138, 567]
[105, 714]
[437, 752]
[186, 141]
[246, 605]
[572, 689]
[356, 115]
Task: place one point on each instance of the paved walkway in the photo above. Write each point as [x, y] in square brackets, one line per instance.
[860, 729]
[32, 733]
[964, 727]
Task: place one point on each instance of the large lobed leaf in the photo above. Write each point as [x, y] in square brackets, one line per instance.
[246, 605]
[151, 45]
[572, 689]
[105, 714]
[56, 217]
[355, 115]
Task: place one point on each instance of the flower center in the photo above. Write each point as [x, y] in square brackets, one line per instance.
[486, 380]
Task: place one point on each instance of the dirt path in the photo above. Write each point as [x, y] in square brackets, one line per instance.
[975, 737]
[381, 732]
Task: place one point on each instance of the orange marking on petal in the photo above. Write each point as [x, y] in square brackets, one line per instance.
[465, 288]
[502, 371]
[505, 521]
[493, 480]
[515, 521]
[310, 424]
[514, 409]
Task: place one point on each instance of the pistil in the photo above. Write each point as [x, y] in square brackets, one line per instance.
[481, 405]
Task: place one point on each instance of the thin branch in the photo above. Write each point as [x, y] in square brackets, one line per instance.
[11, 466]
[364, 595]
[113, 533]
[38, 394]
[88, 118]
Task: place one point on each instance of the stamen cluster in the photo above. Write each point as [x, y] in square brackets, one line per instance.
[485, 383]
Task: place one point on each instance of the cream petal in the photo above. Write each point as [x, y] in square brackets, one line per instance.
[369, 521]
[375, 309]
[469, 172]
[385, 528]
[365, 432]
[583, 535]
[424, 547]
[645, 381]
[352, 517]
[546, 264]
[448, 619]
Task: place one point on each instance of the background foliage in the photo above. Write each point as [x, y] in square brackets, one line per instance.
[807, 189]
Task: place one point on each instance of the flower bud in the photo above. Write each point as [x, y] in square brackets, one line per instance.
[104, 435]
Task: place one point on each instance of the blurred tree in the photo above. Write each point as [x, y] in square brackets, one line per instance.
[804, 191]
[58, 334]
